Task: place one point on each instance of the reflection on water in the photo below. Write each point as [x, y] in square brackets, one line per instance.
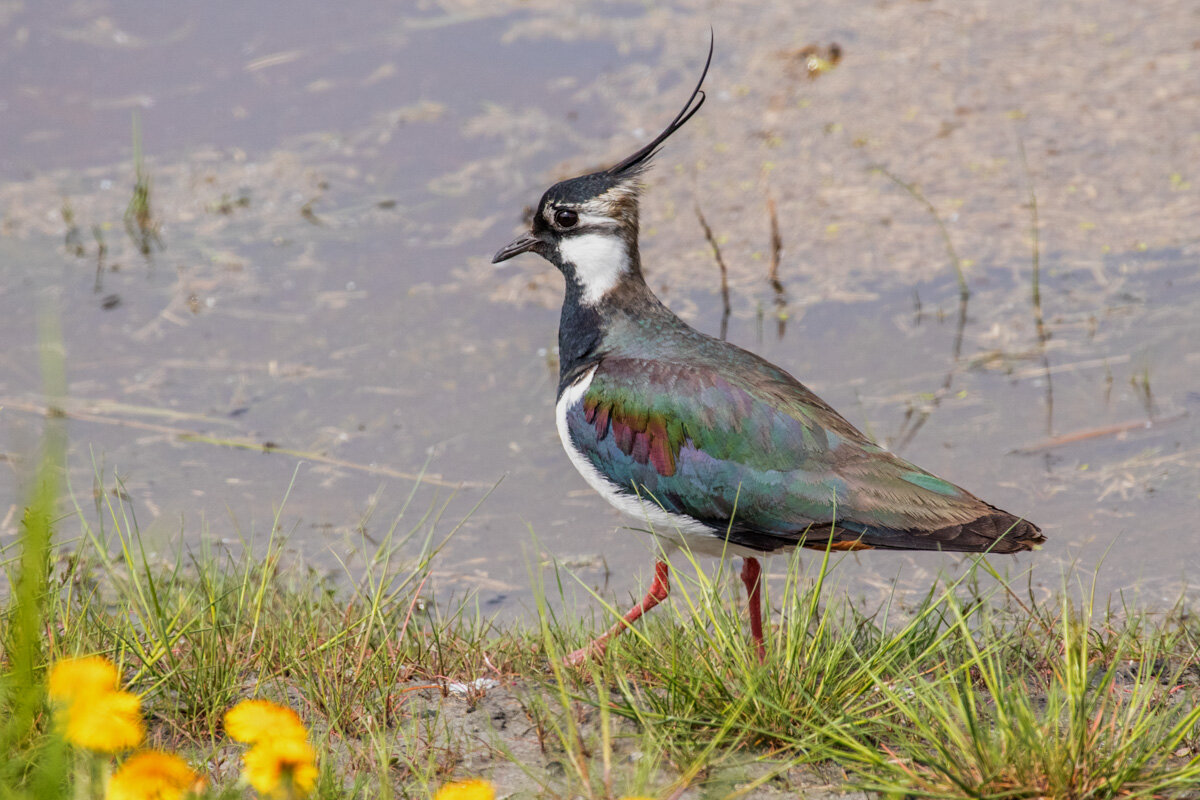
[290, 288]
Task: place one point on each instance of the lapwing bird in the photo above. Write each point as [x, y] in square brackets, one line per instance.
[717, 449]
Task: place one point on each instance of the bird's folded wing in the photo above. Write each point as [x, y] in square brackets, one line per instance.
[765, 453]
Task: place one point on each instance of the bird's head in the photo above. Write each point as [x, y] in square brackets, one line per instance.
[588, 226]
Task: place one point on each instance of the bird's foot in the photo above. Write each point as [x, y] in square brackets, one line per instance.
[593, 651]
[658, 592]
[761, 649]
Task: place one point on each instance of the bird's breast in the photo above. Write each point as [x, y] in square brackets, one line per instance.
[672, 527]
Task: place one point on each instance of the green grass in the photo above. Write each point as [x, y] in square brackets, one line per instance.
[969, 693]
[1083, 718]
[140, 223]
[31, 761]
[965, 694]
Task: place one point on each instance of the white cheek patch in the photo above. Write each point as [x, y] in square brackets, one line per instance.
[598, 220]
[599, 259]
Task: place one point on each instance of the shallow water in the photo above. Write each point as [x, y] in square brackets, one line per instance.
[328, 188]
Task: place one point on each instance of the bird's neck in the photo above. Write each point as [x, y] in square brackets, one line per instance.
[580, 336]
[596, 263]
[602, 300]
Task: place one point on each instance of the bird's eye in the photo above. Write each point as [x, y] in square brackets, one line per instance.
[565, 218]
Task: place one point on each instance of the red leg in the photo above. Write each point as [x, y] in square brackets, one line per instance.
[658, 592]
[751, 576]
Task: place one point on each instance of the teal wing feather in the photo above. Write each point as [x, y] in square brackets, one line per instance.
[770, 462]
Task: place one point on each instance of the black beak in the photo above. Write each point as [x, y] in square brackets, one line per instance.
[522, 244]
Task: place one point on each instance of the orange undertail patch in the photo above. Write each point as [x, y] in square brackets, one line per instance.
[842, 546]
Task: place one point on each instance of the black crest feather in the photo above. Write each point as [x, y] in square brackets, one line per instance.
[636, 162]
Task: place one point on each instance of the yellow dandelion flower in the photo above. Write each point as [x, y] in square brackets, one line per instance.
[106, 723]
[80, 678]
[252, 721]
[151, 775]
[281, 767]
[466, 790]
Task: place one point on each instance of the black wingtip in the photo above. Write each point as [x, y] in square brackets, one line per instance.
[639, 160]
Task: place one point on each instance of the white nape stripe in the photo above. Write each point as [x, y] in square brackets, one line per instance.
[598, 220]
[600, 259]
[675, 529]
